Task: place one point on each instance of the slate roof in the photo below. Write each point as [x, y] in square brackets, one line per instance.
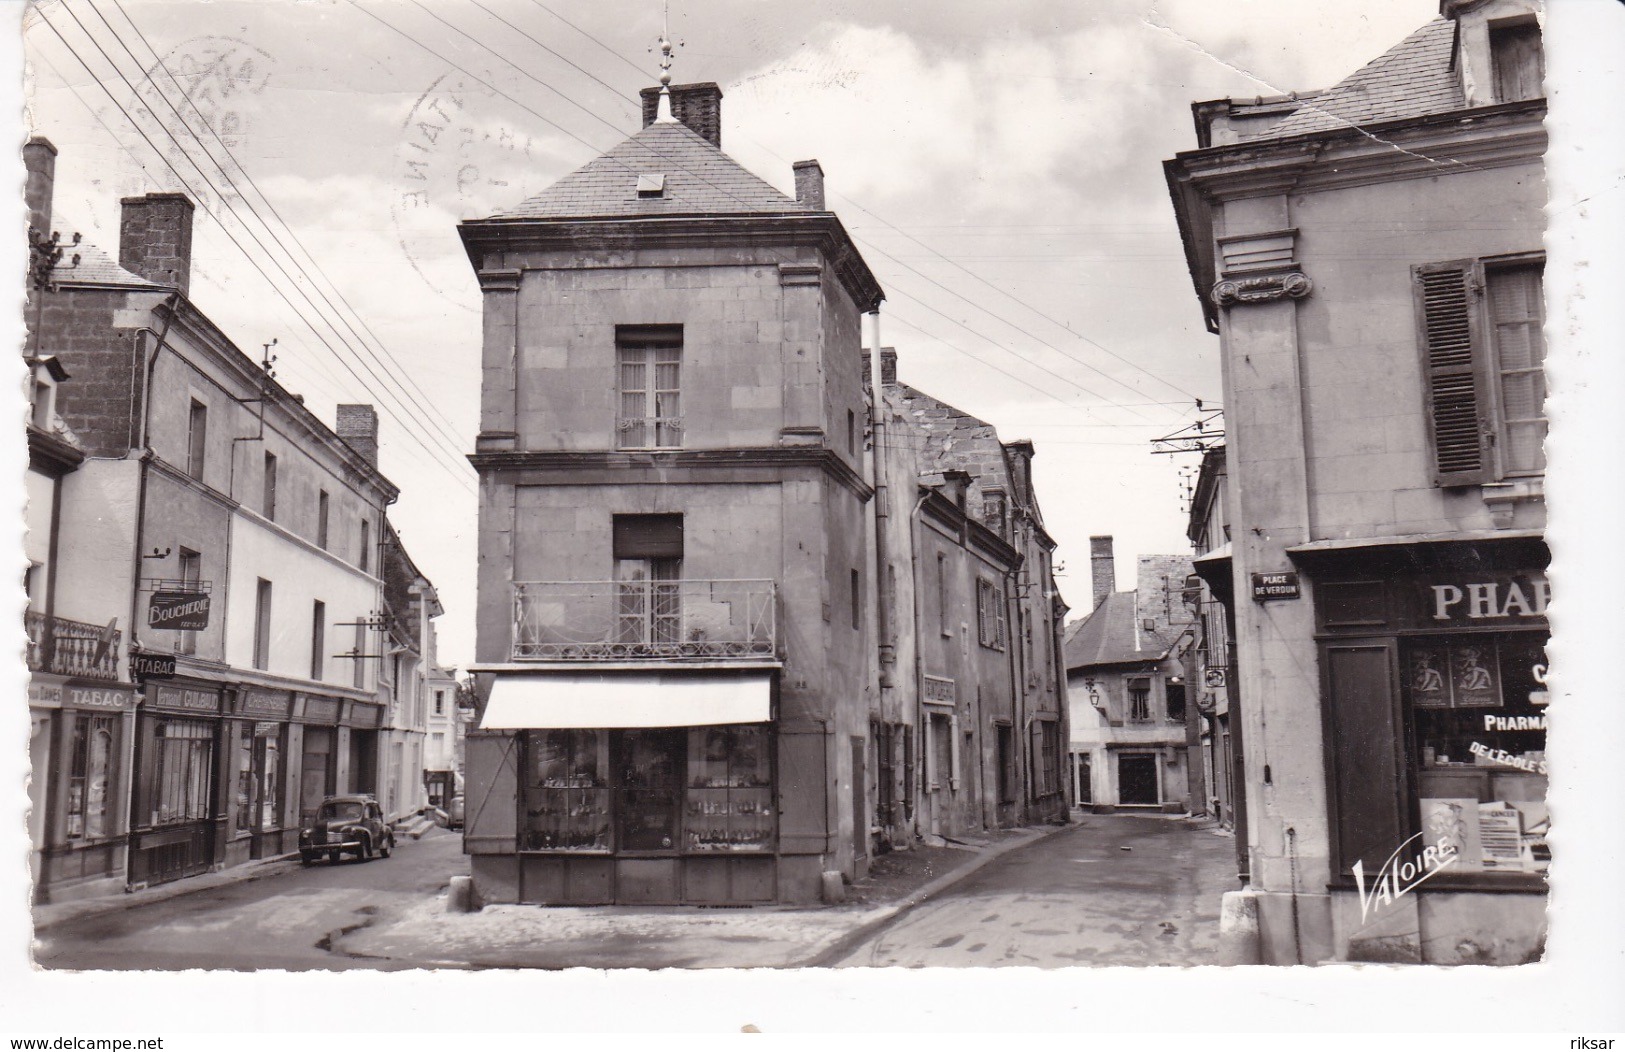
[1414, 78]
[1107, 636]
[97, 267]
[699, 179]
[950, 439]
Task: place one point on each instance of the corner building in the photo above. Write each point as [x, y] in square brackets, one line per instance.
[1370, 257]
[675, 651]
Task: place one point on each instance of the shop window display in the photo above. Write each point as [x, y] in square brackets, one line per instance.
[1478, 704]
[730, 799]
[88, 781]
[567, 791]
[650, 787]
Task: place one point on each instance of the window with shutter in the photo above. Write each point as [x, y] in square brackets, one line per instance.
[1445, 299]
[1484, 357]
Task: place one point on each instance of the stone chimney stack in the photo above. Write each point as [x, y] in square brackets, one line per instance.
[155, 239]
[1103, 568]
[888, 367]
[698, 106]
[810, 184]
[358, 426]
[39, 157]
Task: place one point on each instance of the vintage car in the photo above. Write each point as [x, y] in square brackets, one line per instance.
[351, 825]
[454, 812]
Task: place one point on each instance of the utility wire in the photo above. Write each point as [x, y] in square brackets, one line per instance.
[702, 179]
[224, 229]
[933, 251]
[202, 119]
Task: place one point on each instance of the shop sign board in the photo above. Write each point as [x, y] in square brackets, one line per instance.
[44, 694]
[184, 611]
[1214, 677]
[186, 699]
[317, 709]
[100, 698]
[361, 714]
[276, 703]
[939, 689]
[1485, 597]
[1280, 585]
[147, 665]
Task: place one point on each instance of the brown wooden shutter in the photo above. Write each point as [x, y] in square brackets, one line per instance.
[491, 792]
[1447, 315]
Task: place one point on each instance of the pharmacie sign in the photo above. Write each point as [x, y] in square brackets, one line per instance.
[1504, 598]
[184, 611]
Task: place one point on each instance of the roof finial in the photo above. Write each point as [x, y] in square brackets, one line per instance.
[663, 113]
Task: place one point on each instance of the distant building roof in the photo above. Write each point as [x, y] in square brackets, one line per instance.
[699, 178]
[1109, 636]
[1414, 78]
[954, 440]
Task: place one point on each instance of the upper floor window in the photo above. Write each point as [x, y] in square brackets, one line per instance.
[1515, 57]
[321, 519]
[649, 361]
[318, 638]
[191, 570]
[366, 545]
[990, 614]
[42, 407]
[262, 625]
[439, 703]
[197, 432]
[268, 502]
[1139, 699]
[1485, 356]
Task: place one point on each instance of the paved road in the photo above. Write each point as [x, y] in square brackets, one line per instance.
[279, 921]
[1072, 899]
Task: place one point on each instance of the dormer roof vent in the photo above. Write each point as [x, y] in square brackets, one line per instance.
[652, 184]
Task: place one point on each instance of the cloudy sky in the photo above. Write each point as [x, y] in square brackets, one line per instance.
[999, 165]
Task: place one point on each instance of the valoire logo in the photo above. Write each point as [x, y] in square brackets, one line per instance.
[1395, 877]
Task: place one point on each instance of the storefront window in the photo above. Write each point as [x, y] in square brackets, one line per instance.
[1479, 711]
[269, 754]
[567, 791]
[185, 754]
[730, 799]
[242, 766]
[650, 788]
[88, 777]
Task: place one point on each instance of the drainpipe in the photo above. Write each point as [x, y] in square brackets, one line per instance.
[877, 427]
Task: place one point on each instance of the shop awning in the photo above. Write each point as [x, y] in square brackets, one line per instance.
[558, 700]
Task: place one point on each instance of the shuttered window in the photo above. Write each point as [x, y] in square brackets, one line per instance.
[1483, 360]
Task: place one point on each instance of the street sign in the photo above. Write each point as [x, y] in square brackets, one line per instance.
[144, 665]
[1282, 585]
[1214, 677]
[184, 611]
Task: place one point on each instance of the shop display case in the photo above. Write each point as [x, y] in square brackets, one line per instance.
[567, 795]
[729, 804]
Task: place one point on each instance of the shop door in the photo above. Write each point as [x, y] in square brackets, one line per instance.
[1084, 785]
[315, 771]
[1137, 780]
[650, 789]
[363, 761]
[267, 812]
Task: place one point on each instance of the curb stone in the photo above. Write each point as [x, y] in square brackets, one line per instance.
[842, 946]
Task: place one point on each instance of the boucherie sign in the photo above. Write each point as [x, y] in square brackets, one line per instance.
[186, 611]
[1482, 598]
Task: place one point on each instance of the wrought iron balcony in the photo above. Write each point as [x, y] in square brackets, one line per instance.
[69, 648]
[640, 620]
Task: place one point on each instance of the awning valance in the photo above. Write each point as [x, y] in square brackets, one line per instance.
[557, 700]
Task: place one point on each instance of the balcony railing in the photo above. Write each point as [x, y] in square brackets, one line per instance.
[68, 648]
[636, 620]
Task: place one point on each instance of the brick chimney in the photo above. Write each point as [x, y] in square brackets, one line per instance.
[699, 106]
[1103, 568]
[358, 426]
[155, 238]
[39, 157]
[810, 184]
[888, 367]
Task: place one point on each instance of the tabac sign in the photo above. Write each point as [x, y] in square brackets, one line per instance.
[185, 611]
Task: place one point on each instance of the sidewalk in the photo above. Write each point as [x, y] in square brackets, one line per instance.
[52, 914]
[512, 936]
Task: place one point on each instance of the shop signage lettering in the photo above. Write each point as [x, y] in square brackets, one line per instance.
[1515, 723]
[321, 710]
[185, 611]
[192, 700]
[1282, 585]
[1501, 756]
[144, 665]
[265, 703]
[45, 695]
[90, 698]
[1395, 878]
[1483, 600]
[939, 689]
